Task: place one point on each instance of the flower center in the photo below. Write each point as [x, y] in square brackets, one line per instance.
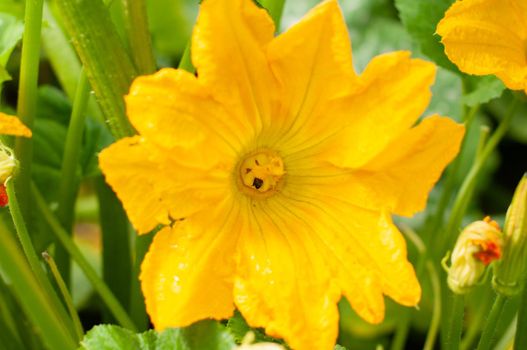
[261, 172]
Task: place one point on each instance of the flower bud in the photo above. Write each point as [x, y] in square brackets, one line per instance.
[510, 271]
[7, 164]
[477, 246]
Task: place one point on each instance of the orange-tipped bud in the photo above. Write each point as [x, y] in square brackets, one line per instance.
[477, 246]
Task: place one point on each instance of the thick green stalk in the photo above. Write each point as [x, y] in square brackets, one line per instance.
[108, 65]
[275, 8]
[487, 337]
[64, 60]
[31, 297]
[455, 321]
[467, 188]
[104, 292]
[116, 248]
[69, 184]
[136, 24]
[65, 295]
[27, 97]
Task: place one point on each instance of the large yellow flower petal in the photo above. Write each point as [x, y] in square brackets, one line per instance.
[153, 187]
[363, 248]
[398, 179]
[228, 46]
[488, 37]
[282, 282]
[389, 96]
[404, 173]
[313, 64]
[172, 108]
[11, 125]
[187, 274]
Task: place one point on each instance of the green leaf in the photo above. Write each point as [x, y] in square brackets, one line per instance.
[484, 89]
[239, 328]
[11, 30]
[420, 17]
[170, 23]
[208, 335]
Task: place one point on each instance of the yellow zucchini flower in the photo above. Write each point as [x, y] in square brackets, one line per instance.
[274, 173]
[488, 37]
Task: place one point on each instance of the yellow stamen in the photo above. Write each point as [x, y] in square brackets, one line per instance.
[261, 172]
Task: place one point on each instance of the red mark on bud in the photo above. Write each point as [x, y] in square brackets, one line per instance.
[3, 196]
[489, 252]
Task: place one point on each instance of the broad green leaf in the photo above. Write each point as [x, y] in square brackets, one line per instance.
[485, 89]
[420, 17]
[207, 335]
[239, 328]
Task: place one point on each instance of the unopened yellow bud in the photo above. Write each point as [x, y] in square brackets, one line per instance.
[509, 272]
[7, 164]
[477, 246]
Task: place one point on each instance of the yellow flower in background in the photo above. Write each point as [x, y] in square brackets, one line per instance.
[275, 172]
[488, 37]
[11, 125]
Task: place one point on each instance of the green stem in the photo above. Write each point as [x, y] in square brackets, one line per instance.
[476, 322]
[31, 255]
[435, 324]
[104, 292]
[137, 27]
[275, 8]
[27, 97]
[520, 339]
[31, 297]
[455, 323]
[403, 325]
[21, 230]
[64, 60]
[487, 336]
[402, 330]
[65, 295]
[69, 184]
[108, 65]
[467, 188]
